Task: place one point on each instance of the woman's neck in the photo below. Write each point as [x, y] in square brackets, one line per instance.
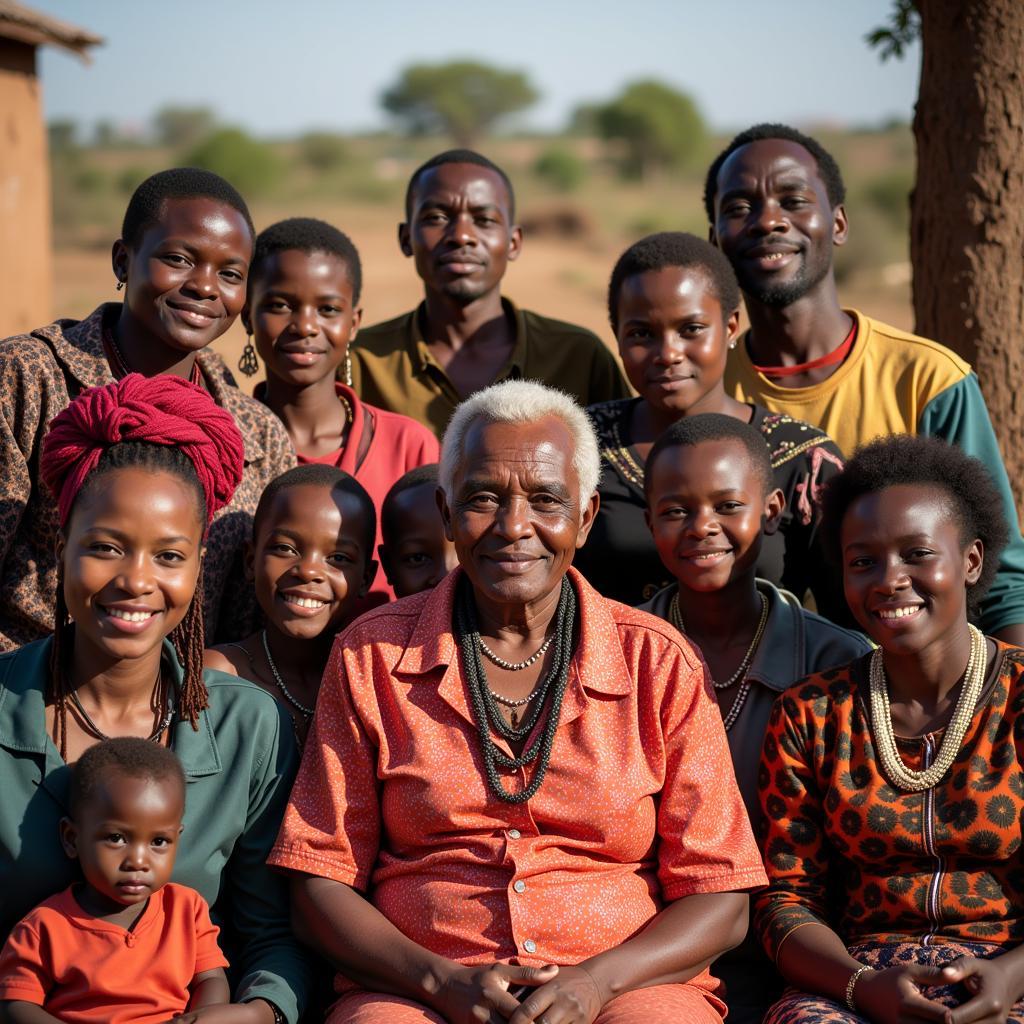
[145, 354]
[309, 412]
[649, 421]
[926, 677]
[118, 686]
[720, 619]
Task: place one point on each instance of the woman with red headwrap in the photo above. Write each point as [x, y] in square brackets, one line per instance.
[138, 469]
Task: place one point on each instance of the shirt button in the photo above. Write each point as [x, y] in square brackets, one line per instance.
[514, 833]
[519, 886]
[530, 946]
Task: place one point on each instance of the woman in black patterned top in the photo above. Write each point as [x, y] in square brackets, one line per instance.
[674, 302]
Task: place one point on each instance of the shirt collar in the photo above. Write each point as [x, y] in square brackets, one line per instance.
[598, 662]
[775, 660]
[23, 711]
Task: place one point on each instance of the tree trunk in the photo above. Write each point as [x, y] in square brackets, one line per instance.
[967, 210]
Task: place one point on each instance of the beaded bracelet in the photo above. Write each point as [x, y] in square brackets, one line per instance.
[851, 984]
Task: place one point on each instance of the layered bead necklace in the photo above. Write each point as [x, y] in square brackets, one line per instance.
[485, 703]
[676, 618]
[902, 777]
[165, 704]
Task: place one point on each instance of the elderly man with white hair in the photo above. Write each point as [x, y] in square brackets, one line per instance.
[517, 802]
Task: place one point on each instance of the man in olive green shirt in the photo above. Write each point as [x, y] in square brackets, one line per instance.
[460, 230]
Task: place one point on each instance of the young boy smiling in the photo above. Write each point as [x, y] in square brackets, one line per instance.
[126, 945]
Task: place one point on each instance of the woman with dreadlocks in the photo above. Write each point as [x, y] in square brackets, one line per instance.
[138, 469]
[530, 783]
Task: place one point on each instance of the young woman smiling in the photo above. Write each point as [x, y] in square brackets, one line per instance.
[892, 788]
[182, 261]
[138, 469]
[674, 303]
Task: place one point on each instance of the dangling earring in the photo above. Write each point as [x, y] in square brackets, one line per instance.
[248, 364]
[120, 284]
[347, 371]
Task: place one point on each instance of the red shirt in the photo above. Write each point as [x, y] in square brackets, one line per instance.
[639, 806]
[86, 971]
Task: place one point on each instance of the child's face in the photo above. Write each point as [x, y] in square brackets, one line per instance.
[125, 835]
[708, 510]
[674, 339]
[302, 315]
[131, 556]
[309, 560]
[416, 554]
[185, 284]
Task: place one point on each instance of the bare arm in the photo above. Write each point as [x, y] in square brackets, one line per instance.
[19, 1012]
[209, 988]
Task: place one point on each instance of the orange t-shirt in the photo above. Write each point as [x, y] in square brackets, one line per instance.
[86, 971]
[639, 806]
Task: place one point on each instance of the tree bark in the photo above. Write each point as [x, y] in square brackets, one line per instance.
[967, 209]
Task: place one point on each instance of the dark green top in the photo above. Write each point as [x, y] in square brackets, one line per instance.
[239, 768]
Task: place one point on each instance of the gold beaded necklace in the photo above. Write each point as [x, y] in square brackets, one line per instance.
[898, 774]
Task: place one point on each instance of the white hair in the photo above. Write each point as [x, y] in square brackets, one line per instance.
[523, 401]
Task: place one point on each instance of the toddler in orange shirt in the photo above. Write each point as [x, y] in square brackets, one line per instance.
[126, 945]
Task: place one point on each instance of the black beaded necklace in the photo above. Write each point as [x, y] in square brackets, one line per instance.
[485, 707]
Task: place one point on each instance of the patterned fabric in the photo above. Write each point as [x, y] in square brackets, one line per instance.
[40, 373]
[639, 805]
[878, 865]
[803, 460]
[800, 1008]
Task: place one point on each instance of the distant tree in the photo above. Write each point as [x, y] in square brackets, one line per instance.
[561, 168]
[104, 133]
[250, 165]
[463, 99]
[62, 135]
[323, 151]
[967, 206]
[583, 119]
[183, 126]
[659, 126]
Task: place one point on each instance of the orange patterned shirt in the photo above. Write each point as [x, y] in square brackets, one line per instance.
[639, 805]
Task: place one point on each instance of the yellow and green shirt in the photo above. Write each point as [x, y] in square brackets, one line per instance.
[893, 382]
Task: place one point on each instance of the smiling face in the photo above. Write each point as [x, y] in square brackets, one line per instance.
[310, 560]
[131, 555]
[514, 514]
[416, 554]
[708, 510]
[185, 283]
[302, 315]
[460, 231]
[674, 339]
[125, 836]
[906, 567]
[774, 221]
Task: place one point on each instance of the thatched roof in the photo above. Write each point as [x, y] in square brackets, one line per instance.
[28, 26]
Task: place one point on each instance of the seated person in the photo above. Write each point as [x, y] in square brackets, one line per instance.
[711, 500]
[517, 800]
[674, 303]
[182, 260]
[310, 561]
[415, 553]
[303, 311]
[125, 945]
[774, 198]
[137, 470]
[892, 788]
[461, 232]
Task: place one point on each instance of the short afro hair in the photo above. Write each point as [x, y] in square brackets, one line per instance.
[675, 249]
[713, 426]
[421, 475]
[146, 206]
[314, 474]
[975, 502]
[831, 176]
[460, 156]
[307, 234]
[126, 755]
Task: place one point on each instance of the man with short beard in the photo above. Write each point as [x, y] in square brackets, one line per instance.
[460, 230]
[774, 199]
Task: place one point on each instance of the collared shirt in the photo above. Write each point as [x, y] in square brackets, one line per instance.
[639, 805]
[392, 366]
[238, 768]
[40, 373]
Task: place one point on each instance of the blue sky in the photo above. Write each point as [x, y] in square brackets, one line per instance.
[278, 67]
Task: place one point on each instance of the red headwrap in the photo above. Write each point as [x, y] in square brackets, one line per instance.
[164, 410]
